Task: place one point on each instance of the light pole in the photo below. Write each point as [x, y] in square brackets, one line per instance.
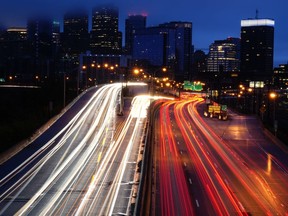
[93, 73]
[64, 89]
[152, 76]
[78, 80]
[84, 73]
[273, 96]
[163, 69]
[65, 62]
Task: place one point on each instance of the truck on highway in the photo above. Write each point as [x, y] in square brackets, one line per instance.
[216, 110]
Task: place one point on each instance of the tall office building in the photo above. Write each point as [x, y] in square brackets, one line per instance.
[56, 36]
[42, 37]
[224, 56]
[280, 77]
[182, 41]
[199, 64]
[13, 53]
[132, 24]
[105, 37]
[257, 46]
[150, 47]
[16, 33]
[15, 42]
[76, 36]
[168, 44]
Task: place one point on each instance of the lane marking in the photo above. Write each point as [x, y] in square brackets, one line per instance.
[99, 157]
[241, 206]
[104, 140]
[197, 203]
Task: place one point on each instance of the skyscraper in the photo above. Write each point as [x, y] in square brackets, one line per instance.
[182, 41]
[132, 24]
[13, 53]
[76, 37]
[199, 64]
[280, 77]
[105, 37]
[56, 33]
[224, 56]
[149, 47]
[257, 46]
[168, 44]
[17, 34]
[40, 35]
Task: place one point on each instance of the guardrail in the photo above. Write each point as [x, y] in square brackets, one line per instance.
[143, 205]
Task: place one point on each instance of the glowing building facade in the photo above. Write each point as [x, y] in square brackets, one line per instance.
[257, 48]
[224, 56]
[105, 37]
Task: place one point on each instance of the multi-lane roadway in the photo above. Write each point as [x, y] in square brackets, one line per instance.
[84, 164]
[211, 167]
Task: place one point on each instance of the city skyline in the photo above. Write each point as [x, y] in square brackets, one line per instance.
[211, 20]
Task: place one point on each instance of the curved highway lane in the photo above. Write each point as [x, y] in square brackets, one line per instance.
[198, 172]
[84, 168]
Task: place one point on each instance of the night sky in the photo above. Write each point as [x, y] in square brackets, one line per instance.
[212, 19]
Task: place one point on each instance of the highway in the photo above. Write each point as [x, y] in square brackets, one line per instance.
[84, 164]
[212, 167]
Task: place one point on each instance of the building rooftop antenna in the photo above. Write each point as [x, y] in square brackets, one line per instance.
[257, 14]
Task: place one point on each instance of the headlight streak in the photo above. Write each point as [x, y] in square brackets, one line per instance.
[36, 168]
[111, 197]
[57, 146]
[102, 169]
[90, 150]
[102, 173]
[141, 108]
[113, 192]
[96, 180]
[104, 99]
[101, 151]
[32, 157]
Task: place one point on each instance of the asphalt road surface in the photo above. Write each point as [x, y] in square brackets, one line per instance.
[83, 164]
[211, 167]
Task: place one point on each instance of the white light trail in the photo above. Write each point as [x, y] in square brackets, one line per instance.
[94, 139]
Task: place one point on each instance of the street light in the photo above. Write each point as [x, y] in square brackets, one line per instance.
[137, 71]
[94, 72]
[66, 60]
[273, 96]
[64, 90]
[163, 69]
[84, 72]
